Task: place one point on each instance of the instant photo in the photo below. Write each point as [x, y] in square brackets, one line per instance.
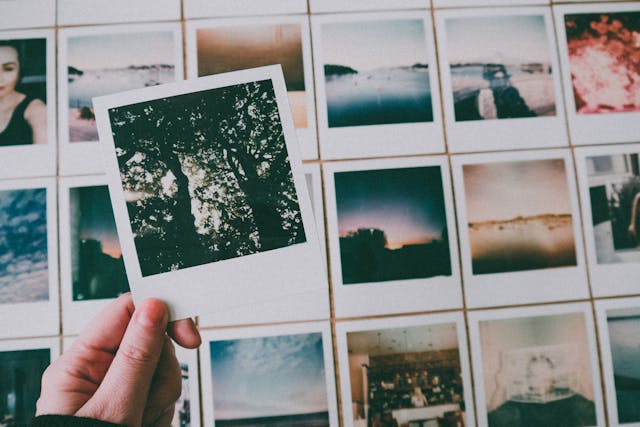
[376, 85]
[187, 407]
[500, 77]
[205, 177]
[28, 264]
[219, 46]
[390, 236]
[93, 63]
[618, 323]
[406, 373]
[520, 228]
[598, 45]
[92, 268]
[273, 376]
[20, 376]
[610, 187]
[536, 366]
[28, 99]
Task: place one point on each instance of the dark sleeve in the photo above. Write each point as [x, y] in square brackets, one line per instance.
[69, 421]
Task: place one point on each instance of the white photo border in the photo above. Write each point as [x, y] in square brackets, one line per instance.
[77, 12]
[85, 157]
[396, 296]
[208, 336]
[474, 319]
[500, 134]
[345, 327]
[588, 129]
[28, 14]
[385, 139]
[224, 8]
[480, 3]
[304, 272]
[42, 158]
[325, 6]
[307, 137]
[525, 286]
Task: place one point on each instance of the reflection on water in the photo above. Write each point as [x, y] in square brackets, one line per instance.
[384, 96]
[522, 244]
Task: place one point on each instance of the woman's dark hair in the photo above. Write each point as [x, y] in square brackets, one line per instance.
[18, 47]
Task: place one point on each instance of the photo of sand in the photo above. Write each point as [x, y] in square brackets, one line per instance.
[231, 48]
[500, 67]
[604, 61]
[519, 216]
[98, 65]
[376, 72]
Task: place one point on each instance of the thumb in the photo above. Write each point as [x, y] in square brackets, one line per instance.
[122, 396]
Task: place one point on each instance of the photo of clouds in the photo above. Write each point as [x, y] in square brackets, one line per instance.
[604, 62]
[376, 72]
[270, 381]
[97, 267]
[623, 325]
[24, 266]
[206, 176]
[99, 65]
[519, 216]
[233, 48]
[392, 224]
[500, 67]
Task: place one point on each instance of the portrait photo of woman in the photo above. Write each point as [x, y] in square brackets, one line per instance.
[23, 110]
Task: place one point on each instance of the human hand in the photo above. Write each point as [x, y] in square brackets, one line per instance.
[122, 368]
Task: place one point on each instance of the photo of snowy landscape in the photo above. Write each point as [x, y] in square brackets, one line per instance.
[99, 65]
[24, 272]
[376, 72]
[500, 67]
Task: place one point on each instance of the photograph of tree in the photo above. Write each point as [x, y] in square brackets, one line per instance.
[604, 61]
[20, 375]
[376, 72]
[623, 325]
[500, 67]
[206, 176]
[232, 47]
[97, 267]
[519, 215]
[98, 65]
[614, 190]
[270, 381]
[392, 224]
[24, 261]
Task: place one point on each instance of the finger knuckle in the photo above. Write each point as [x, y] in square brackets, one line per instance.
[137, 355]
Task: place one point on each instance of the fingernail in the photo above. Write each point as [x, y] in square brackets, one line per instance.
[152, 313]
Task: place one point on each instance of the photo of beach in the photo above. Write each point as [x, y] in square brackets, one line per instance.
[376, 72]
[623, 326]
[270, 381]
[99, 65]
[238, 47]
[519, 215]
[500, 67]
[24, 261]
[20, 375]
[604, 61]
[97, 267]
[392, 224]
[401, 374]
[614, 191]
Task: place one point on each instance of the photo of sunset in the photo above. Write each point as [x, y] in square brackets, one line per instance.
[97, 267]
[392, 224]
[232, 48]
[519, 215]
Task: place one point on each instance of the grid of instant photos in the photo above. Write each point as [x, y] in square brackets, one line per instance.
[474, 166]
